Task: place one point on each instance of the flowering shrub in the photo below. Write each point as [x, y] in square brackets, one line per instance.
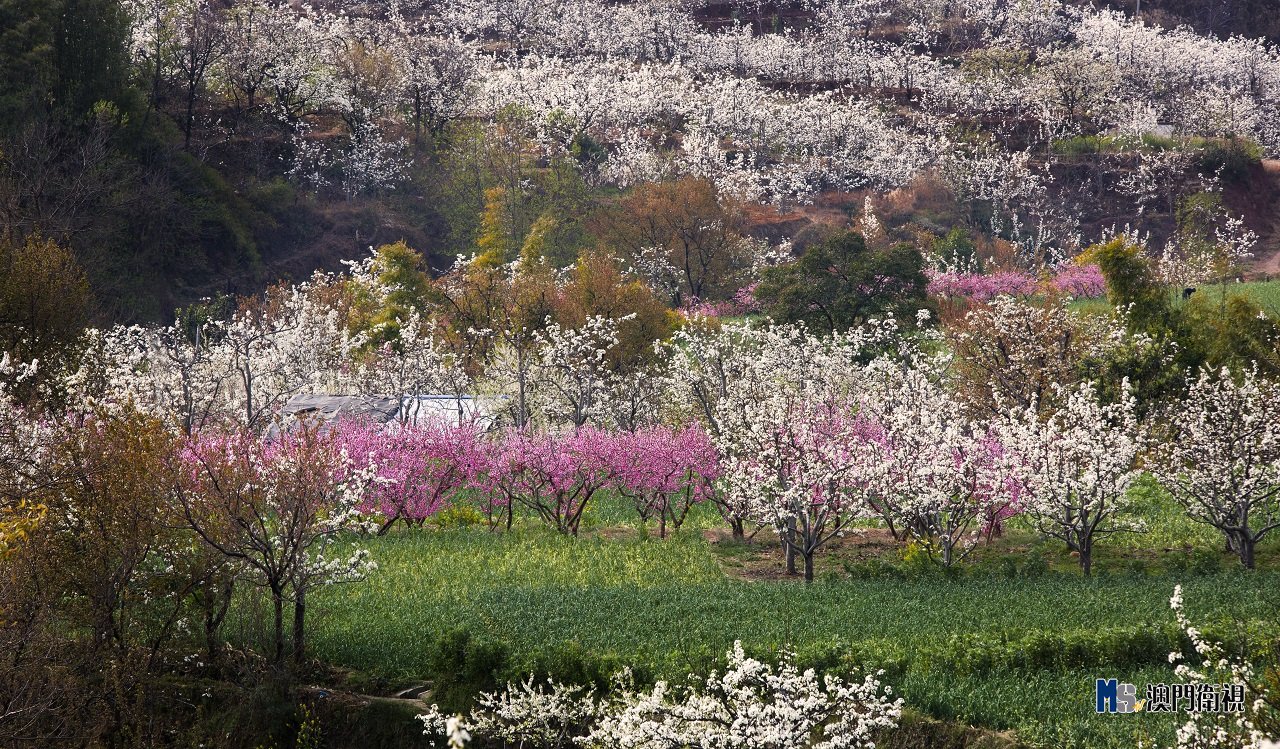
[981, 286]
[1073, 280]
[420, 469]
[1212, 729]
[743, 302]
[1079, 281]
[752, 705]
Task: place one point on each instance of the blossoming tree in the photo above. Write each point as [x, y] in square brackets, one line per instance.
[1075, 466]
[276, 510]
[1222, 461]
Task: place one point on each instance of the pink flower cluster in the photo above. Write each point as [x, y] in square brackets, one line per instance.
[665, 472]
[1079, 281]
[981, 286]
[422, 470]
[744, 302]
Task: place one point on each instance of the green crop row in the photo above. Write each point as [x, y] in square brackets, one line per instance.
[466, 609]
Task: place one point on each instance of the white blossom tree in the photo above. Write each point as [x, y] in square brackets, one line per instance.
[1222, 459]
[753, 705]
[25, 443]
[571, 377]
[932, 472]
[789, 437]
[1075, 466]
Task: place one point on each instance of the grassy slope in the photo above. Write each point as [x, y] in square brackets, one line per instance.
[1264, 293]
[671, 609]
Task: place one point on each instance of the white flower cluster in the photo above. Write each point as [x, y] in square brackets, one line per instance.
[242, 369]
[1214, 729]
[775, 114]
[1075, 466]
[752, 705]
[1222, 462]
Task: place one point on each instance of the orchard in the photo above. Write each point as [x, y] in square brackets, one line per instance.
[647, 374]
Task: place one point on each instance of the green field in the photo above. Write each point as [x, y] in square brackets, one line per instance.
[1265, 293]
[1008, 644]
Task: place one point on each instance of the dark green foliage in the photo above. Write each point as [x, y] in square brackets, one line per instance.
[573, 663]
[1132, 284]
[27, 73]
[956, 246]
[461, 667]
[1214, 329]
[1232, 330]
[1156, 369]
[840, 282]
[1231, 158]
[60, 59]
[92, 56]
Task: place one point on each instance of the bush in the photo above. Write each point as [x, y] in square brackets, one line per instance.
[459, 516]
[1235, 157]
[571, 663]
[461, 668]
[1035, 566]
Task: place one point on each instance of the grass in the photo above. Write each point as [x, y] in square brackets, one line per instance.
[1265, 293]
[1006, 646]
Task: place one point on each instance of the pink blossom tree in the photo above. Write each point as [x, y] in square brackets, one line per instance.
[275, 511]
[555, 476]
[421, 469]
[665, 472]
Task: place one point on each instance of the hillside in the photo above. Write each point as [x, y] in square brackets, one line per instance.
[218, 148]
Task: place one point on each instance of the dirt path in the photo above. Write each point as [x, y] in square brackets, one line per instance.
[1267, 254]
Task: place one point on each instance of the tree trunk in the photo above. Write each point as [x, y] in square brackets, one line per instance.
[277, 603]
[808, 566]
[299, 619]
[215, 612]
[1244, 547]
[522, 413]
[789, 545]
[1086, 559]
